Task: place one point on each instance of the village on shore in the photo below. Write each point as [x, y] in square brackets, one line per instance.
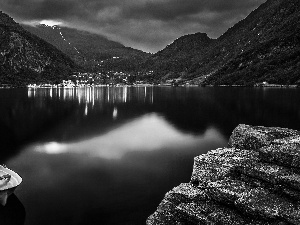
[119, 79]
[116, 79]
[111, 78]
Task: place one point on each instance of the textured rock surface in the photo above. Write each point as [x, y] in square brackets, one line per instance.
[256, 180]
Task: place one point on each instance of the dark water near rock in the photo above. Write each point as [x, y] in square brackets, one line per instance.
[108, 155]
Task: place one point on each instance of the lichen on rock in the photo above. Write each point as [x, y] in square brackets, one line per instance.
[256, 180]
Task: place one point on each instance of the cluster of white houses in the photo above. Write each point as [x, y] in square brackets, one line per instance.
[79, 79]
[110, 78]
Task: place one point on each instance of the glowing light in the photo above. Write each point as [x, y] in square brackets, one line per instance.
[51, 22]
[115, 113]
[86, 110]
[51, 148]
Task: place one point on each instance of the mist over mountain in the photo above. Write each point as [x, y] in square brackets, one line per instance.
[92, 51]
[26, 58]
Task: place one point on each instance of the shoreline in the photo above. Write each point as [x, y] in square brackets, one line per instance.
[148, 85]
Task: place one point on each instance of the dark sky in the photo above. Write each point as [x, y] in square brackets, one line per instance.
[148, 25]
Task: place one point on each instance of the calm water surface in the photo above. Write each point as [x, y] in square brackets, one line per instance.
[108, 155]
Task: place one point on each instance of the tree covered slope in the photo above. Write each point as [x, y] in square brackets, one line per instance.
[265, 46]
[25, 58]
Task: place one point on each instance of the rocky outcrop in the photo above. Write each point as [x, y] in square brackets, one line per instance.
[255, 180]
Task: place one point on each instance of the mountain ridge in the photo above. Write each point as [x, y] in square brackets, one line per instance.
[177, 56]
[256, 37]
[89, 49]
[263, 47]
[26, 58]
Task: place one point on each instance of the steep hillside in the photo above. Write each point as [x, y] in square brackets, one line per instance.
[87, 49]
[265, 46]
[176, 59]
[25, 58]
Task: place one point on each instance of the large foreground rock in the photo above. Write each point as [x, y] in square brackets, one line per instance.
[255, 180]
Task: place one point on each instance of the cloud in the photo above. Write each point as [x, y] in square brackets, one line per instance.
[145, 24]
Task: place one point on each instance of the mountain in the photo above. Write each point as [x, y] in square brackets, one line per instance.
[25, 58]
[176, 59]
[88, 49]
[265, 46]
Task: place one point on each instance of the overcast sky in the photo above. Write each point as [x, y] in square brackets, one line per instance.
[148, 25]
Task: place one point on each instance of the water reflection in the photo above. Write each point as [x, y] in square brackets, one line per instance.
[114, 178]
[90, 95]
[108, 155]
[147, 133]
[68, 115]
[13, 213]
[115, 113]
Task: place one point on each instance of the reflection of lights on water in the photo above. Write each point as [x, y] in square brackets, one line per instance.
[152, 95]
[93, 95]
[86, 110]
[51, 148]
[125, 94]
[68, 93]
[108, 94]
[31, 92]
[115, 113]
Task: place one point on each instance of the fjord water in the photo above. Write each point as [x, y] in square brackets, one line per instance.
[108, 155]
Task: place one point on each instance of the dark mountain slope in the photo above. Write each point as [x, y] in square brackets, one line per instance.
[191, 43]
[176, 58]
[264, 46]
[25, 58]
[87, 49]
